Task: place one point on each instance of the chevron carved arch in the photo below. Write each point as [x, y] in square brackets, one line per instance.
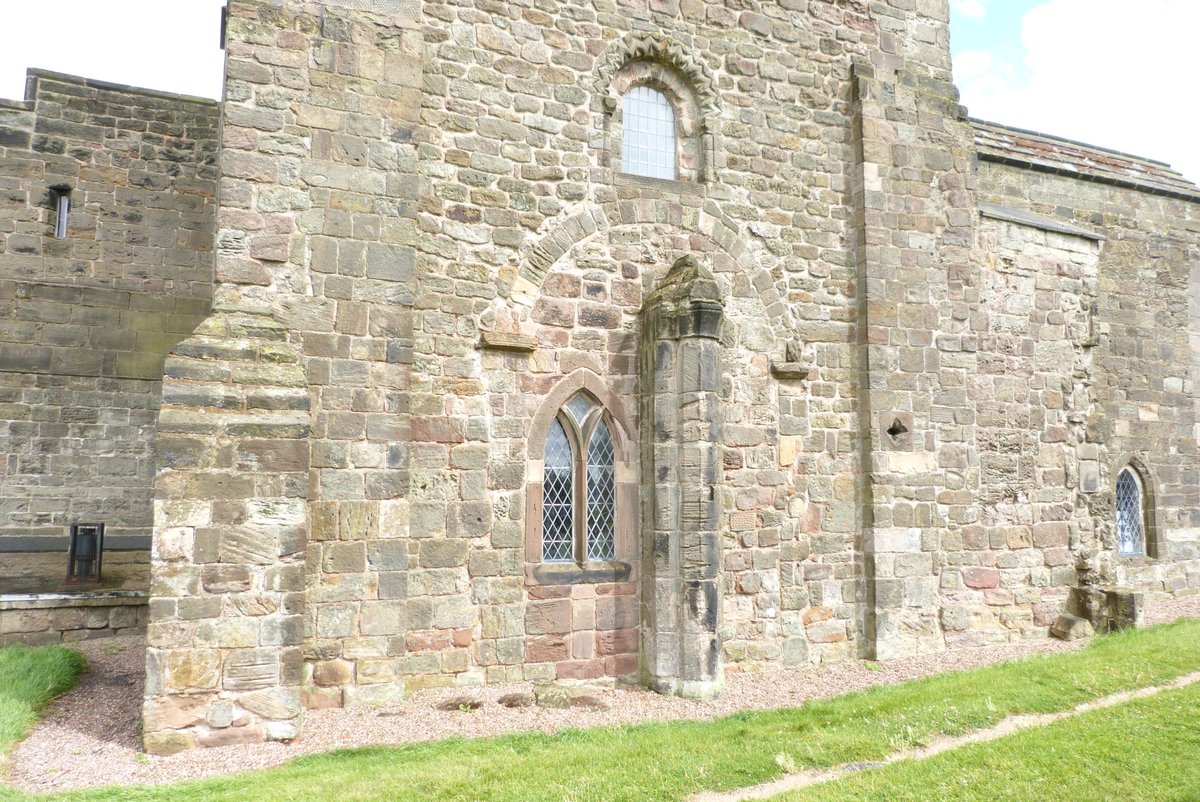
[660, 49]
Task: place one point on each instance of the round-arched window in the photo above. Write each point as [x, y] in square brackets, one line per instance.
[648, 147]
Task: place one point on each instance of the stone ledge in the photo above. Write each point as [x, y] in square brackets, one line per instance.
[664, 184]
[33, 75]
[95, 598]
[1009, 214]
[499, 341]
[790, 371]
[590, 573]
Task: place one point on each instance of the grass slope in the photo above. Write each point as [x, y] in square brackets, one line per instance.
[671, 761]
[1144, 751]
[29, 678]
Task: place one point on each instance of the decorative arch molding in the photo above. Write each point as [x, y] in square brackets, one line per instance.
[569, 385]
[657, 61]
[660, 49]
[708, 221]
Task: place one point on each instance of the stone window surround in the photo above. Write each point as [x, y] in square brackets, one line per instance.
[627, 481]
[691, 160]
[648, 111]
[1150, 530]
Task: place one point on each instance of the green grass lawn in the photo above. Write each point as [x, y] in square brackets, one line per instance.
[29, 678]
[671, 761]
[1145, 751]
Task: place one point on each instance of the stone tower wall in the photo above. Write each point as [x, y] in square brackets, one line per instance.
[426, 247]
[289, 567]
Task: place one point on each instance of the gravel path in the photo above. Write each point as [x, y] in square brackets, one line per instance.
[90, 736]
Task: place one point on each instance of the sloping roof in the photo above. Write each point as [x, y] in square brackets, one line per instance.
[1051, 154]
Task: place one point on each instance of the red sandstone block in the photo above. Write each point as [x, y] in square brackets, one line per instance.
[437, 430]
[430, 640]
[1057, 557]
[1051, 533]
[621, 665]
[975, 538]
[546, 649]
[580, 669]
[831, 631]
[813, 614]
[538, 592]
[616, 589]
[979, 578]
[616, 641]
[548, 617]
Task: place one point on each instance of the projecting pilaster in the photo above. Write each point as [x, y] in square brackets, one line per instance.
[681, 446]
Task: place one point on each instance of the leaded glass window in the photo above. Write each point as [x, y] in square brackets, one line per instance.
[579, 406]
[558, 497]
[601, 496]
[649, 145]
[579, 485]
[1131, 533]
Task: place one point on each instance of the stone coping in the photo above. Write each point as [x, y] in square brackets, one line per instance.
[87, 598]
[34, 73]
[1052, 154]
[42, 544]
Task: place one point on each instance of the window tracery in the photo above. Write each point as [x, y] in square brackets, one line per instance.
[579, 485]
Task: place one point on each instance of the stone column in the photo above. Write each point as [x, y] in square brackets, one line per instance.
[681, 423]
[230, 527]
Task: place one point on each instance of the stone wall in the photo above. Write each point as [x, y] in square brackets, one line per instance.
[1142, 380]
[529, 229]
[141, 168]
[89, 318]
[1007, 575]
[41, 618]
[314, 240]
[856, 411]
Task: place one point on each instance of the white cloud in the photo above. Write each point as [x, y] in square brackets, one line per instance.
[1100, 72]
[972, 9]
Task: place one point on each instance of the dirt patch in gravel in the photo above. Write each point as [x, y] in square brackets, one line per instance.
[96, 724]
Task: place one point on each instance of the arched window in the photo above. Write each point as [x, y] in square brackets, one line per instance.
[1131, 518]
[579, 485]
[649, 143]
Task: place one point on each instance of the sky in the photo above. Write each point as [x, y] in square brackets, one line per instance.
[1116, 73]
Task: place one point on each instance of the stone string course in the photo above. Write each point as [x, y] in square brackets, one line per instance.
[863, 419]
